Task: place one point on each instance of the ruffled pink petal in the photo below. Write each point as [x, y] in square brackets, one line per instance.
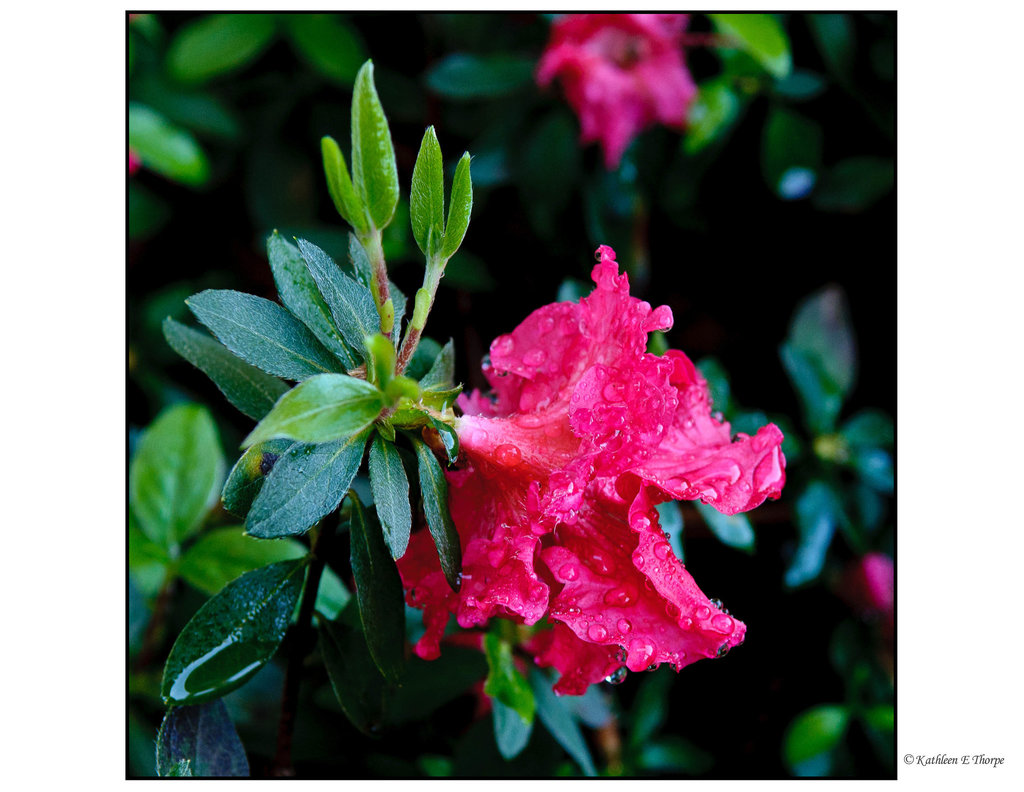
[580, 663]
[426, 588]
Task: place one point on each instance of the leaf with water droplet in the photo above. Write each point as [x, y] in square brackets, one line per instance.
[434, 489]
[232, 635]
[200, 741]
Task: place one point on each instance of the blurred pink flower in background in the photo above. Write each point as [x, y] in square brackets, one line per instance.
[868, 586]
[134, 163]
[621, 73]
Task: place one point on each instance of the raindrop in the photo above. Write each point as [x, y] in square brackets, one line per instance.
[619, 597]
[653, 667]
[620, 655]
[686, 623]
[508, 455]
[503, 345]
[722, 623]
[643, 650]
[535, 357]
[612, 392]
[723, 650]
[597, 632]
[618, 677]
[568, 572]
[703, 612]
[662, 550]
[716, 603]
[672, 610]
[624, 626]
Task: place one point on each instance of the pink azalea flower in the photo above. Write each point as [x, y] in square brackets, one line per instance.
[134, 163]
[621, 74]
[868, 586]
[559, 478]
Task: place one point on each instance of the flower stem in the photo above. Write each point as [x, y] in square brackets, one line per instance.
[379, 286]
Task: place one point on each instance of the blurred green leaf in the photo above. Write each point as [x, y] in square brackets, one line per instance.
[306, 484]
[559, 721]
[800, 85]
[710, 115]
[262, 333]
[762, 36]
[250, 471]
[232, 635]
[333, 595]
[378, 592]
[354, 677]
[165, 148]
[815, 731]
[733, 530]
[147, 561]
[874, 466]
[220, 556]
[869, 428]
[468, 273]
[834, 35]
[217, 44]
[673, 754]
[549, 169]
[374, 170]
[650, 708]
[718, 383]
[390, 487]
[460, 208]
[301, 296]
[881, 717]
[146, 213]
[252, 391]
[790, 153]
[504, 681]
[322, 409]
[855, 184]
[818, 512]
[176, 474]
[198, 111]
[466, 77]
[426, 199]
[434, 490]
[511, 732]
[328, 44]
[200, 741]
[670, 518]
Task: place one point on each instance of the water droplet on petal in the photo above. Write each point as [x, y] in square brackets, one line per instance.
[503, 345]
[597, 632]
[535, 357]
[638, 560]
[568, 572]
[508, 455]
[686, 622]
[703, 612]
[723, 650]
[672, 610]
[722, 623]
[618, 677]
[620, 597]
[662, 550]
[716, 603]
[643, 650]
[624, 626]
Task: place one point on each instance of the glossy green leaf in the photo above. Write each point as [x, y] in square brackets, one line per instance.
[817, 514]
[350, 303]
[165, 148]
[761, 36]
[442, 370]
[306, 484]
[426, 198]
[855, 184]
[459, 209]
[200, 741]
[328, 44]
[449, 438]
[324, 408]
[340, 187]
[711, 114]
[232, 635]
[357, 684]
[301, 296]
[176, 474]
[252, 391]
[440, 400]
[511, 732]
[434, 490]
[250, 471]
[390, 487]
[374, 170]
[217, 44]
[554, 713]
[220, 556]
[504, 681]
[262, 333]
[790, 153]
[462, 76]
[814, 732]
[734, 530]
[378, 592]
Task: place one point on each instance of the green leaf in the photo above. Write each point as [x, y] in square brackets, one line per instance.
[869, 428]
[855, 184]
[819, 395]
[147, 560]
[250, 471]
[442, 370]
[262, 333]
[834, 35]
[814, 732]
[733, 530]
[350, 303]
[462, 76]
[374, 170]
[220, 556]
[817, 515]
[176, 474]
[333, 595]
[790, 153]
[426, 199]
[448, 436]
[434, 489]
[146, 213]
[460, 208]
[357, 684]
[559, 720]
[329, 45]
[711, 114]
[232, 635]
[360, 262]
[423, 358]
[323, 408]
[511, 732]
[718, 383]
[200, 741]
[165, 148]
[673, 754]
[380, 361]
[874, 466]
[378, 592]
[252, 391]
[306, 484]
[390, 488]
[801, 85]
[217, 44]
[504, 682]
[301, 296]
[428, 685]
[761, 36]
[650, 707]
[339, 185]
[670, 519]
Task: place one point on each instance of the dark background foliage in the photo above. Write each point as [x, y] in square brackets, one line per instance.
[708, 233]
